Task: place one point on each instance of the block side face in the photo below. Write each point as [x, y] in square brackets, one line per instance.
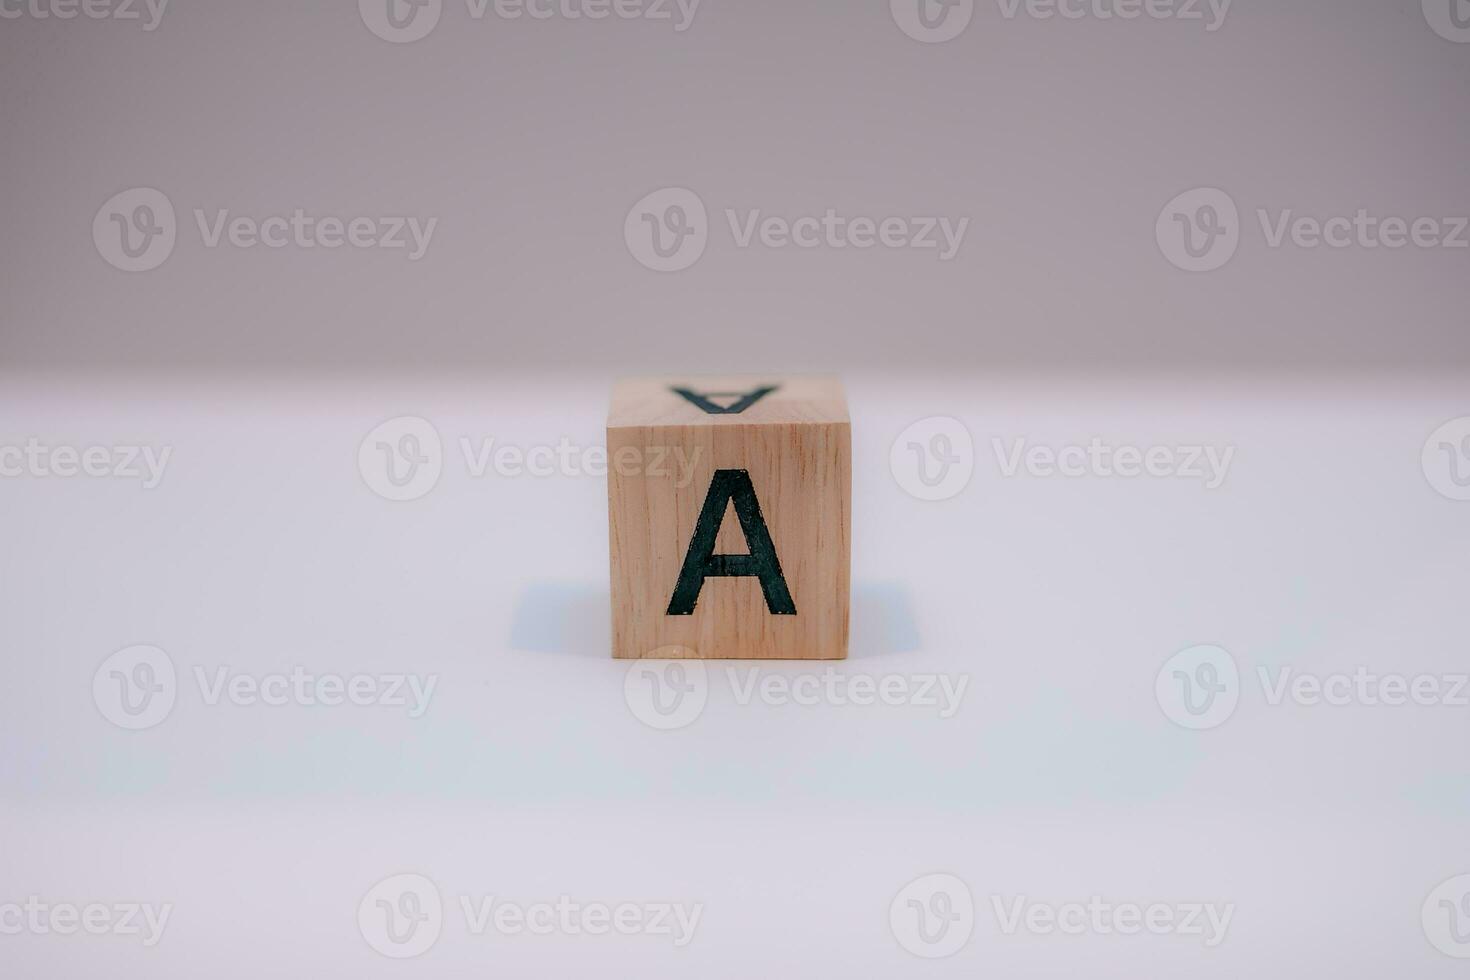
[727, 401]
[800, 475]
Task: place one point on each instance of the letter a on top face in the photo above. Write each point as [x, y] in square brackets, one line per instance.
[738, 546]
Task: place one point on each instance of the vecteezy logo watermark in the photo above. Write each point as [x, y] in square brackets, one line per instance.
[136, 231]
[934, 458]
[673, 694]
[1209, 921]
[402, 458]
[400, 21]
[37, 917]
[119, 10]
[666, 695]
[932, 21]
[1446, 459]
[1207, 464]
[1199, 687]
[39, 461]
[933, 916]
[1446, 917]
[137, 688]
[1450, 19]
[405, 21]
[403, 916]
[1200, 230]
[668, 231]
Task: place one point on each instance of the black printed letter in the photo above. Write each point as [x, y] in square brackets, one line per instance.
[701, 561]
[743, 400]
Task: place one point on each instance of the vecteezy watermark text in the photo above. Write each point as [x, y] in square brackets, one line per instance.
[934, 459]
[137, 687]
[487, 913]
[1207, 464]
[406, 21]
[148, 12]
[1201, 230]
[934, 916]
[136, 230]
[566, 458]
[403, 459]
[669, 230]
[304, 230]
[37, 460]
[937, 21]
[403, 916]
[672, 694]
[1200, 687]
[38, 917]
[1211, 13]
[1207, 921]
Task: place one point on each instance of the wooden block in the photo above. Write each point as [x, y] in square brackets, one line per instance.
[729, 507]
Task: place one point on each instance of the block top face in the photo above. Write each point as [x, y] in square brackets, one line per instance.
[729, 400]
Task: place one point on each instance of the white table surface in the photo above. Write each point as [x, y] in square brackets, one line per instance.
[795, 826]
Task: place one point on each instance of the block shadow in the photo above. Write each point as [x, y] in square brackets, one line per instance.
[574, 618]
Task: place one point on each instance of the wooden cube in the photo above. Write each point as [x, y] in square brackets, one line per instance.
[729, 508]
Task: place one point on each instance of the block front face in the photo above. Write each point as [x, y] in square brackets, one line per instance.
[729, 539]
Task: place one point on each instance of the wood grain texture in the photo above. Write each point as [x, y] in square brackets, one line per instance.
[663, 451]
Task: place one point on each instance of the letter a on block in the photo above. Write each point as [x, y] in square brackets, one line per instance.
[692, 580]
[743, 400]
[701, 562]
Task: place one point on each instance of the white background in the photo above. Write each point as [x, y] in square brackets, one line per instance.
[1060, 778]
